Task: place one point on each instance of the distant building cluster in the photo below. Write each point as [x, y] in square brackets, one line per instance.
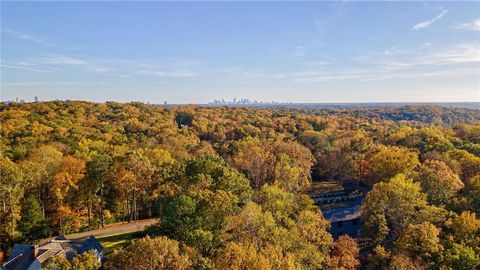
[35, 99]
[243, 101]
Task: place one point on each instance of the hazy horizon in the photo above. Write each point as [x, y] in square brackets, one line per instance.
[268, 103]
[193, 53]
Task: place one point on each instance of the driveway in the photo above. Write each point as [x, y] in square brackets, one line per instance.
[110, 229]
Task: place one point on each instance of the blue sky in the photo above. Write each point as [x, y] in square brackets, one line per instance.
[194, 52]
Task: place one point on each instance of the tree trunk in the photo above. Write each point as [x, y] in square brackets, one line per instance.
[125, 209]
[102, 217]
[135, 211]
[42, 200]
[89, 207]
[149, 203]
[13, 214]
[131, 207]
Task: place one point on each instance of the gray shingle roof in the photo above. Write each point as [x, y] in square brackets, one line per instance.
[21, 258]
[90, 243]
[24, 255]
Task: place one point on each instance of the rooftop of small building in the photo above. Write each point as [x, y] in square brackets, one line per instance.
[342, 211]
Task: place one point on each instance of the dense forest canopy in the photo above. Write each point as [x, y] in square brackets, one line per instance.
[228, 183]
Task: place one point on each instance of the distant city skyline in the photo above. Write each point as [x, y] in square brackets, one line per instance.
[286, 52]
[245, 102]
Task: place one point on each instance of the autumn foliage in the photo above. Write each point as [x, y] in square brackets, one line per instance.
[228, 184]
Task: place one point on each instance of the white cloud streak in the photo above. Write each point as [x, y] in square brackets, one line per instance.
[53, 83]
[25, 68]
[29, 37]
[460, 54]
[460, 60]
[120, 68]
[172, 74]
[427, 23]
[63, 60]
[426, 45]
[472, 25]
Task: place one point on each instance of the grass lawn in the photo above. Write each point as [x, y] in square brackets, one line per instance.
[114, 241]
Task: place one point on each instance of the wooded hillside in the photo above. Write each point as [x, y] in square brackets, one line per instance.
[228, 183]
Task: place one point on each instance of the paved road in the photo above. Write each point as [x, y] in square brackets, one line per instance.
[110, 229]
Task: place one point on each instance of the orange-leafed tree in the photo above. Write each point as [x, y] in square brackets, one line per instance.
[70, 172]
[345, 254]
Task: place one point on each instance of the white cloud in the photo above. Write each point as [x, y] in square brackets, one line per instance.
[378, 73]
[53, 83]
[119, 68]
[392, 51]
[426, 45]
[391, 64]
[318, 63]
[97, 69]
[473, 25]
[459, 60]
[300, 51]
[238, 72]
[324, 76]
[26, 68]
[24, 36]
[457, 54]
[460, 54]
[427, 23]
[422, 74]
[173, 74]
[63, 60]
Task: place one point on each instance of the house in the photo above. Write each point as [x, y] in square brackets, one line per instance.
[344, 217]
[31, 257]
[340, 205]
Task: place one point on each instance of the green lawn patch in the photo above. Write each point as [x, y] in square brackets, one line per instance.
[114, 241]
